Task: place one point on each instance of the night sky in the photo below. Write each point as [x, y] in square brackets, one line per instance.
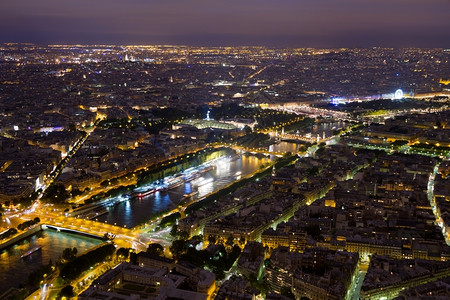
[281, 23]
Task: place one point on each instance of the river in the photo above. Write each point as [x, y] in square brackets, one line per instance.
[324, 129]
[136, 211]
[284, 147]
[15, 270]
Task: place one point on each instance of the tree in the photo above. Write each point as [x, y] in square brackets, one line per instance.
[183, 235]
[56, 193]
[287, 292]
[156, 249]
[67, 292]
[78, 265]
[169, 220]
[287, 154]
[125, 252]
[174, 231]
[220, 274]
[198, 238]
[231, 258]
[196, 257]
[72, 127]
[313, 171]
[104, 183]
[211, 239]
[230, 241]
[76, 192]
[178, 248]
[34, 278]
[27, 224]
[24, 201]
[8, 233]
[262, 285]
[69, 253]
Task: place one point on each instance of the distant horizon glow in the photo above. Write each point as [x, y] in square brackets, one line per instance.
[283, 23]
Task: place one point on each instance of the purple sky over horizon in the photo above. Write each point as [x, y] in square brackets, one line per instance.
[279, 23]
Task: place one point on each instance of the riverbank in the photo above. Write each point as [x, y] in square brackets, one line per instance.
[20, 237]
[282, 162]
[15, 270]
[172, 217]
[159, 171]
[40, 227]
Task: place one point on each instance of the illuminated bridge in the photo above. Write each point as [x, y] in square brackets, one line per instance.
[122, 236]
[63, 229]
[256, 151]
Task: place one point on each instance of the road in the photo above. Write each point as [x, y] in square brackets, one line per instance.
[430, 195]
[124, 237]
[355, 286]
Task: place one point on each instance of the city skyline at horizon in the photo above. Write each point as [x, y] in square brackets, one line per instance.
[320, 24]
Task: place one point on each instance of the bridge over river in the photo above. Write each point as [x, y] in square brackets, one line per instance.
[122, 236]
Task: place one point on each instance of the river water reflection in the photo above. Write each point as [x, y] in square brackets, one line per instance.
[284, 147]
[15, 270]
[136, 211]
[324, 129]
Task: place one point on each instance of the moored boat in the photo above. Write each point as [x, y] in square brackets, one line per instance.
[31, 251]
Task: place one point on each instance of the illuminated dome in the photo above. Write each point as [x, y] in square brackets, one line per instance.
[398, 94]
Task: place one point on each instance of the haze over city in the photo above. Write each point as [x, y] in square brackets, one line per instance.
[284, 23]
